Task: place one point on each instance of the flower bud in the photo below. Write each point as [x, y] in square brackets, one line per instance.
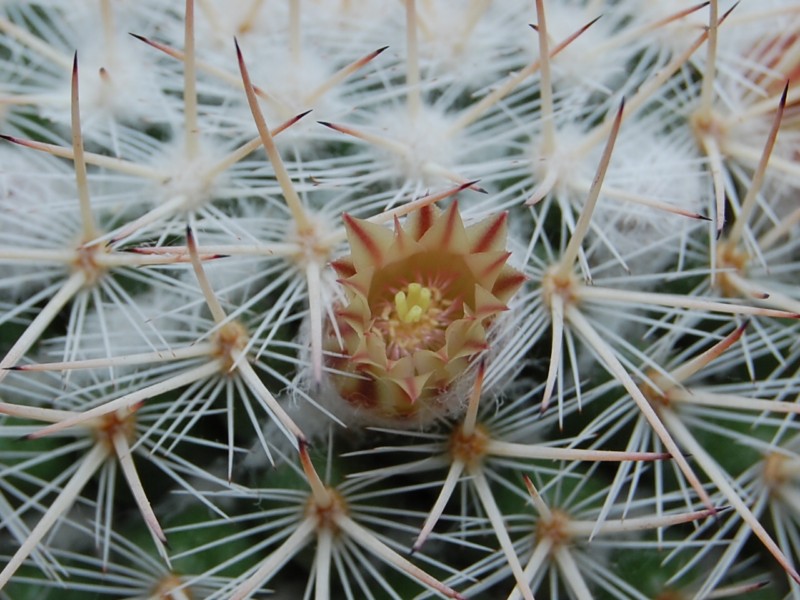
[420, 302]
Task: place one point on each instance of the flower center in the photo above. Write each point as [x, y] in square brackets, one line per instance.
[416, 320]
[411, 307]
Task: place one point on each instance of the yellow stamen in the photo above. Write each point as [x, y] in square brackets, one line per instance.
[411, 307]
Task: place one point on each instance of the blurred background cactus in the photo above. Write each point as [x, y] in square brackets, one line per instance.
[367, 299]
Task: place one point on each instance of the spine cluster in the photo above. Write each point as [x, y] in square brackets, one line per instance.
[366, 299]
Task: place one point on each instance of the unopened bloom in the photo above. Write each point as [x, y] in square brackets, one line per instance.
[420, 301]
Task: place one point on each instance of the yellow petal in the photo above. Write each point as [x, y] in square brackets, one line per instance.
[447, 233]
[368, 242]
[507, 283]
[405, 244]
[488, 234]
[487, 304]
[465, 338]
[487, 266]
[420, 221]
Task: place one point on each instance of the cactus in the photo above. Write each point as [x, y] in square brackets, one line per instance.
[413, 299]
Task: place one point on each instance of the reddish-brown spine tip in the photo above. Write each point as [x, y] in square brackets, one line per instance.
[782, 103]
[760, 584]
[470, 184]
[727, 13]
[331, 126]
[590, 23]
